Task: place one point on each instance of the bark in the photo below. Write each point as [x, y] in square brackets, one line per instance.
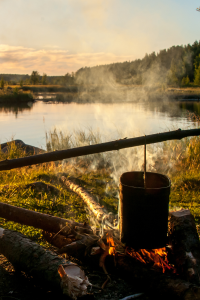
[42, 264]
[98, 148]
[184, 239]
[40, 220]
[89, 200]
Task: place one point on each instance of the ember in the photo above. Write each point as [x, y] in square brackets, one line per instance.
[157, 257]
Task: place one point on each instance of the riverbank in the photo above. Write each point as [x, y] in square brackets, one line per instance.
[98, 94]
[15, 95]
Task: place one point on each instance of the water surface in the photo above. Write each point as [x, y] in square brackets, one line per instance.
[29, 122]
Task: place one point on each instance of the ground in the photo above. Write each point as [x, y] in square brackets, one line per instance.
[20, 287]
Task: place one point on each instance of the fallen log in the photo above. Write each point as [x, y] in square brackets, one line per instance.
[45, 266]
[98, 148]
[184, 240]
[40, 220]
[89, 200]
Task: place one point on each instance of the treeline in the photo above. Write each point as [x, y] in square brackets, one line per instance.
[176, 66]
[36, 78]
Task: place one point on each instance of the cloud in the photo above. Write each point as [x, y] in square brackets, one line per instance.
[53, 61]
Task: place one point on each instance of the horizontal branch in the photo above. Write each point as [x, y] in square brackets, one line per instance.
[38, 220]
[98, 148]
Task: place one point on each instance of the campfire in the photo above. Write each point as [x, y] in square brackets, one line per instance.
[156, 258]
[139, 244]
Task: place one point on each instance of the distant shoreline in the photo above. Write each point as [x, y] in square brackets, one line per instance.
[95, 94]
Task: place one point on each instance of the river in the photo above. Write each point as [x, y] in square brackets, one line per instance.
[29, 122]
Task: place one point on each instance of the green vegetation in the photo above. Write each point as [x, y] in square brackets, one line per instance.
[2, 83]
[180, 160]
[44, 79]
[14, 190]
[34, 77]
[176, 66]
[15, 95]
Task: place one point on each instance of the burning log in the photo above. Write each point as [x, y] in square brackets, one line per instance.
[92, 149]
[43, 265]
[184, 239]
[40, 220]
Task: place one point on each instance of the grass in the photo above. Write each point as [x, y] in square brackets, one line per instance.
[15, 96]
[96, 173]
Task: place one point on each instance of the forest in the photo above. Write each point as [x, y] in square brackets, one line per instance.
[176, 66]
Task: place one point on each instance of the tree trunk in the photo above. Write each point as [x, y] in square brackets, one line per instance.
[42, 264]
[184, 239]
[39, 220]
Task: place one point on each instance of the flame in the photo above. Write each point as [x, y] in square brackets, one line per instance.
[111, 244]
[157, 257]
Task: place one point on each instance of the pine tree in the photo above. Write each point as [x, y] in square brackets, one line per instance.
[2, 83]
[197, 76]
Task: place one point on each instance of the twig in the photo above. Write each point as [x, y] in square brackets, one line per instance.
[59, 232]
[104, 284]
[132, 296]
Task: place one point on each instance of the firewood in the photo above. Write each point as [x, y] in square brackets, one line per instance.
[98, 148]
[156, 284]
[101, 215]
[57, 240]
[87, 198]
[184, 240]
[81, 247]
[45, 266]
[40, 220]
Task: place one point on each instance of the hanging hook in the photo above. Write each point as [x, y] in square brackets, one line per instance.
[145, 148]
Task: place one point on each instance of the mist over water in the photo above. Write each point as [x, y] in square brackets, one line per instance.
[111, 120]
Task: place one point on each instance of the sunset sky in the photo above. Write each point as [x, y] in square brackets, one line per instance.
[60, 36]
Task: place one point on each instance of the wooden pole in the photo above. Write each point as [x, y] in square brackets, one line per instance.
[145, 162]
[98, 148]
[39, 220]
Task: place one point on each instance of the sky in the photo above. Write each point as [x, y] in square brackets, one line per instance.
[60, 36]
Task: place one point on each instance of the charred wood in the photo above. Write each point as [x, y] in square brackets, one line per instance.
[57, 240]
[156, 284]
[184, 240]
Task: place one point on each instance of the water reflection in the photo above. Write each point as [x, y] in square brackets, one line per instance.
[193, 107]
[29, 122]
[15, 108]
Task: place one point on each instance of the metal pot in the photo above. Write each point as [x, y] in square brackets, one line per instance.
[144, 211]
